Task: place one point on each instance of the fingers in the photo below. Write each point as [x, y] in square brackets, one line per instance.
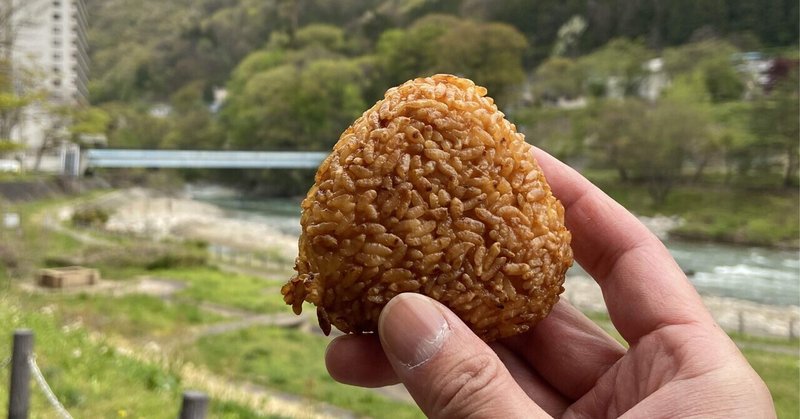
[542, 393]
[448, 370]
[359, 361]
[567, 350]
[642, 285]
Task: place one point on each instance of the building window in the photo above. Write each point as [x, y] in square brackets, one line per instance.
[56, 57]
[56, 69]
[57, 82]
[56, 4]
[56, 16]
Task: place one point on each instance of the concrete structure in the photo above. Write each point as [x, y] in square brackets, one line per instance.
[70, 276]
[46, 42]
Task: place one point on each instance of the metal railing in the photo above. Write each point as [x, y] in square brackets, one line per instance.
[118, 158]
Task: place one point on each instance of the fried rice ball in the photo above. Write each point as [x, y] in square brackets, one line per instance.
[431, 191]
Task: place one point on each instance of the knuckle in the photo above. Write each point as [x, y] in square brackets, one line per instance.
[463, 389]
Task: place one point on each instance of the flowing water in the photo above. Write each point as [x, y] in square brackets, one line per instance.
[759, 274]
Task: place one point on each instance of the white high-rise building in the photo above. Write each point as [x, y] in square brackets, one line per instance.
[45, 41]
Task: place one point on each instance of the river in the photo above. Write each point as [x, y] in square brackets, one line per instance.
[758, 274]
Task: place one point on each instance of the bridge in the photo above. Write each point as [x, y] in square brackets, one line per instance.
[201, 159]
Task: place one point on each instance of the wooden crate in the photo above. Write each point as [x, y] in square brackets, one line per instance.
[69, 276]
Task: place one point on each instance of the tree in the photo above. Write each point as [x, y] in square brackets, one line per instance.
[775, 121]
[406, 54]
[708, 64]
[488, 53]
[559, 131]
[618, 130]
[568, 36]
[291, 108]
[68, 123]
[329, 37]
[87, 122]
[132, 126]
[192, 126]
[14, 99]
[557, 78]
[650, 143]
[620, 62]
[739, 145]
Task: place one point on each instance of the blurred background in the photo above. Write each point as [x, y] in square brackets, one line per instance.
[684, 111]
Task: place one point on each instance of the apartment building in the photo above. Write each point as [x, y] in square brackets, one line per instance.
[45, 41]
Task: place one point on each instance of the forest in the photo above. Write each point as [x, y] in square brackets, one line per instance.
[653, 94]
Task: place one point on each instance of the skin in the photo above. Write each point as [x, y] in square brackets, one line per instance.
[679, 362]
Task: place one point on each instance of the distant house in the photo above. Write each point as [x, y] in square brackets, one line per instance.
[220, 96]
[655, 79]
[753, 64]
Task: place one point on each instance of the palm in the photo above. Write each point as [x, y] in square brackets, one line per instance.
[656, 376]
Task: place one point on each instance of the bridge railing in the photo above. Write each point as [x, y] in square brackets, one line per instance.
[206, 159]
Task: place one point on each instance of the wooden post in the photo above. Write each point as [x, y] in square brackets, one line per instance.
[741, 323]
[194, 405]
[19, 395]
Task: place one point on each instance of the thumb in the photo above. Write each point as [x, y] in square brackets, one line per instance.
[448, 370]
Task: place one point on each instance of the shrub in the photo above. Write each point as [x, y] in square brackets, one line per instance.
[89, 217]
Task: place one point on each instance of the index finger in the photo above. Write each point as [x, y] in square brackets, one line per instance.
[643, 287]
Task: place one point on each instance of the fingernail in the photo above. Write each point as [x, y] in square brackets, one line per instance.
[412, 329]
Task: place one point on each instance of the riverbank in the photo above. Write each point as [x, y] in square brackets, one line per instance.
[189, 321]
[720, 214]
[145, 213]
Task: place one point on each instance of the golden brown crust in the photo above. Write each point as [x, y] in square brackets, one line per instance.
[432, 191]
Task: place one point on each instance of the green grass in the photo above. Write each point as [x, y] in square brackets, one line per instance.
[719, 213]
[291, 361]
[90, 378]
[133, 316]
[33, 244]
[765, 340]
[226, 288]
[96, 382]
[782, 375]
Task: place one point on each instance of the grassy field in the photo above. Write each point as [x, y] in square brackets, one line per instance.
[133, 316]
[90, 377]
[213, 285]
[717, 212]
[291, 361]
[781, 372]
[168, 321]
[94, 380]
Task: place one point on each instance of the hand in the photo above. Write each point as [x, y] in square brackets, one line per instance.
[680, 363]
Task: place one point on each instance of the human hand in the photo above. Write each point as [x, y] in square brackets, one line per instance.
[679, 363]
